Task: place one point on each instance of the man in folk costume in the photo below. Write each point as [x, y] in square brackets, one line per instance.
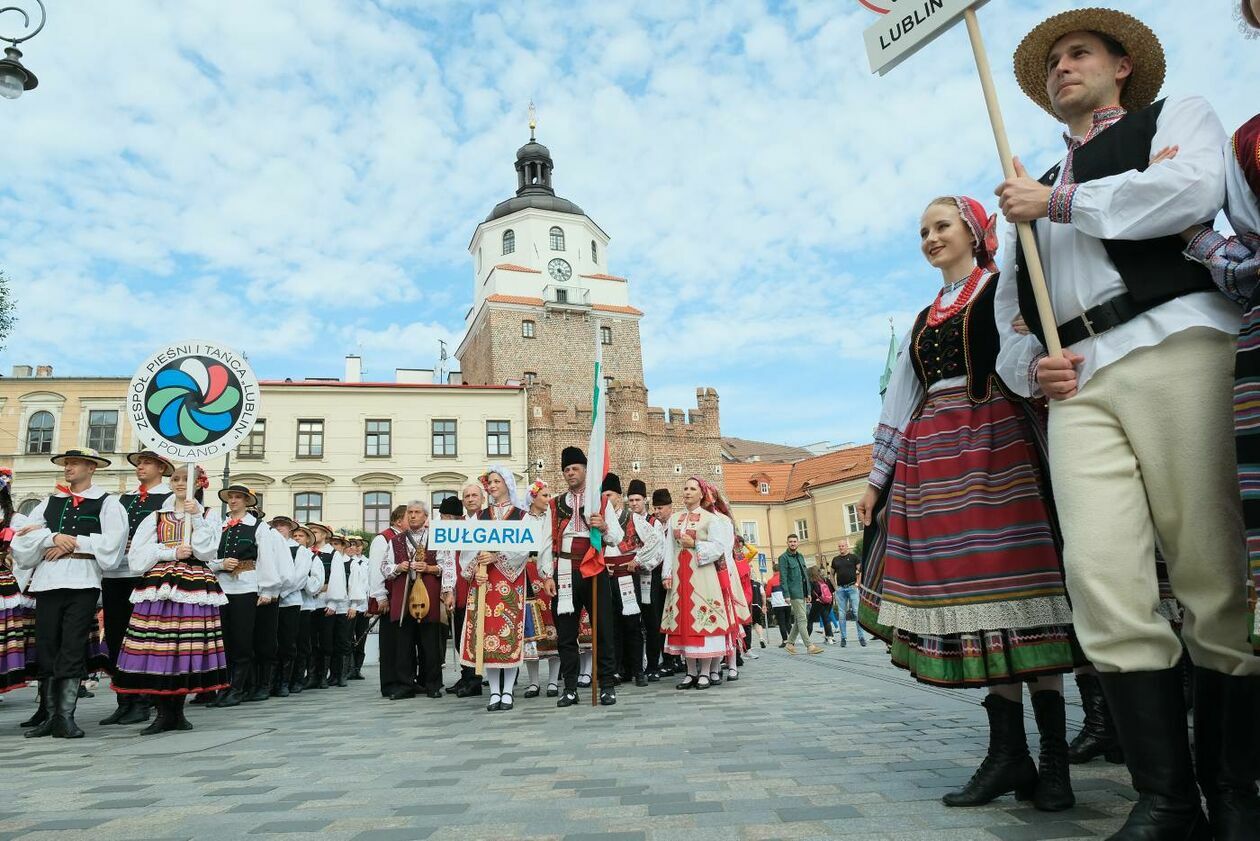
[321, 619]
[660, 664]
[307, 577]
[79, 532]
[473, 496]
[117, 584]
[380, 562]
[639, 540]
[415, 566]
[500, 634]
[1130, 456]
[347, 596]
[540, 622]
[648, 559]
[362, 620]
[577, 586]
[252, 566]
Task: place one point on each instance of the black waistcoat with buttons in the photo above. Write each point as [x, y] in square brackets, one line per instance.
[1153, 270]
[965, 345]
[138, 509]
[240, 541]
[64, 518]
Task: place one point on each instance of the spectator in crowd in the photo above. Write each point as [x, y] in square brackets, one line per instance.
[779, 606]
[820, 604]
[794, 577]
[845, 569]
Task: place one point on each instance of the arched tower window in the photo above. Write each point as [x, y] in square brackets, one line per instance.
[594, 252]
[509, 241]
[557, 239]
[39, 433]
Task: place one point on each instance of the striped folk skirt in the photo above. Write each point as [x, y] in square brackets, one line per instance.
[963, 577]
[15, 633]
[174, 641]
[1247, 442]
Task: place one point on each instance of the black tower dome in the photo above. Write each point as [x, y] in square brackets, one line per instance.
[533, 184]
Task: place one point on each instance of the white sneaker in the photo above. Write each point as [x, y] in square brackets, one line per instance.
[754, 655]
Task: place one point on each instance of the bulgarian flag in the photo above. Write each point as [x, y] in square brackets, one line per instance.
[597, 464]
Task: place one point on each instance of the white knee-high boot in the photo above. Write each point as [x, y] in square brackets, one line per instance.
[531, 666]
[553, 672]
[508, 682]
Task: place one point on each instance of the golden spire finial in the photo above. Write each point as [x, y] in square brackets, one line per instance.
[533, 119]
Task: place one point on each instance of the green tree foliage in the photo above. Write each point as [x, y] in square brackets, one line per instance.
[8, 309]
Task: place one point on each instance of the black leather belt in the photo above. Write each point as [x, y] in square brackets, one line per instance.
[1104, 317]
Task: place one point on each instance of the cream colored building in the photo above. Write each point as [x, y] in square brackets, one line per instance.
[344, 452]
[814, 498]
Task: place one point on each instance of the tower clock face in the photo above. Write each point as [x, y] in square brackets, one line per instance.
[560, 270]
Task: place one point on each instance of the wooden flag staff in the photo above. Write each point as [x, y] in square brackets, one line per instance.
[1027, 239]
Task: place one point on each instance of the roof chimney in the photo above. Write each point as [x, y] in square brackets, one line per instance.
[354, 369]
[43, 370]
[22, 370]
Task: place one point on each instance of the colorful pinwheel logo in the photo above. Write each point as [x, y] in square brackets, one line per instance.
[193, 400]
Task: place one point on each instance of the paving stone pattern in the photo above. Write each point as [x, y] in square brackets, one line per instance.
[839, 745]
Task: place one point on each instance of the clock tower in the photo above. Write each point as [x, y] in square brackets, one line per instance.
[543, 295]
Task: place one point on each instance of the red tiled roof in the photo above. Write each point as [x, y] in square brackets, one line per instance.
[611, 308]
[515, 299]
[513, 267]
[790, 481]
[604, 277]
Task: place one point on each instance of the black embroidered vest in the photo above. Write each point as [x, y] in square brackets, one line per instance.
[62, 517]
[1152, 269]
[240, 541]
[963, 346]
[137, 510]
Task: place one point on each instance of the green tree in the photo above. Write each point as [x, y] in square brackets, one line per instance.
[8, 308]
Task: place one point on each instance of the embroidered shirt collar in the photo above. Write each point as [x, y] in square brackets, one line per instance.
[1103, 119]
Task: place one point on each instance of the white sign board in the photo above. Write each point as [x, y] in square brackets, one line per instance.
[193, 401]
[909, 26]
[487, 535]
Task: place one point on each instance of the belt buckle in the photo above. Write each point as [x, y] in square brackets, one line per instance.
[1089, 325]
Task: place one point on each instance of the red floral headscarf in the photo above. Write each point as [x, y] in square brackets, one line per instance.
[711, 498]
[983, 229]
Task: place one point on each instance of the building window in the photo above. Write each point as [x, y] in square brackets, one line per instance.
[557, 239]
[528, 329]
[255, 444]
[763, 488]
[748, 530]
[260, 503]
[509, 241]
[801, 528]
[478, 261]
[562, 296]
[851, 513]
[530, 376]
[608, 381]
[28, 506]
[444, 438]
[308, 507]
[605, 335]
[39, 433]
[594, 252]
[310, 439]
[498, 438]
[103, 430]
[437, 498]
[376, 505]
[376, 438]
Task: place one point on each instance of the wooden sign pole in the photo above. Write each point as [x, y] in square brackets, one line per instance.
[1032, 256]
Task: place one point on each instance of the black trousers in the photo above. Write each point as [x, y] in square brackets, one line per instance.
[783, 618]
[466, 673]
[266, 634]
[398, 654]
[288, 626]
[819, 612]
[116, 604]
[359, 635]
[342, 644]
[653, 639]
[238, 632]
[629, 632]
[588, 593]
[387, 642]
[63, 621]
[303, 654]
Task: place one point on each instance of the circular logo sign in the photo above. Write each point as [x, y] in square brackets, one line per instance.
[193, 401]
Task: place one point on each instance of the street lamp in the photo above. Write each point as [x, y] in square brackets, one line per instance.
[14, 77]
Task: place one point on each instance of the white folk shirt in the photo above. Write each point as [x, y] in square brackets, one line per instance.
[577, 527]
[272, 568]
[1163, 200]
[146, 553]
[123, 570]
[380, 566]
[313, 598]
[304, 575]
[107, 546]
[347, 584]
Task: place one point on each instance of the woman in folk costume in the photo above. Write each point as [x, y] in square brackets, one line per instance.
[733, 596]
[697, 620]
[540, 622]
[14, 626]
[962, 571]
[173, 647]
[503, 577]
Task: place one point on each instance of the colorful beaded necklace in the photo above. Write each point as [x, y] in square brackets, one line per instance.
[938, 315]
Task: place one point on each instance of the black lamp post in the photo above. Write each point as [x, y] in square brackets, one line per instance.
[15, 78]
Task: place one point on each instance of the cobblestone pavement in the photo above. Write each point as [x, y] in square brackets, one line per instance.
[831, 746]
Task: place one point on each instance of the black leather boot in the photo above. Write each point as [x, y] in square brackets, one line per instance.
[1227, 752]
[336, 666]
[42, 712]
[47, 705]
[260, 688]
[234, 694]
[1098, 733]
[124, 706]
[137, 710]
[1054, 782]
[1150, 714]
[66, 692]
[280, 684]
[1007, 767]
[175, 714]
[160, 720]
[319, 677]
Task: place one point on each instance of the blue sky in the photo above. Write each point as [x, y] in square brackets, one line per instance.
[300, 178]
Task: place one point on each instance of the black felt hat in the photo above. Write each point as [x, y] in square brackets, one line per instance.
[612, 482]
[662, 497]
[637, 488]
[570, 456]
[451, 505]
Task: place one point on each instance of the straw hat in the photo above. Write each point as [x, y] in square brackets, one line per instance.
[82, 454]
[1144, 49]
[167, 467]
[251, 499]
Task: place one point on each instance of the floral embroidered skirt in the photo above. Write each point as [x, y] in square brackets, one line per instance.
[696, 620]
[541, 639]
[504, 644]
[962, 574]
